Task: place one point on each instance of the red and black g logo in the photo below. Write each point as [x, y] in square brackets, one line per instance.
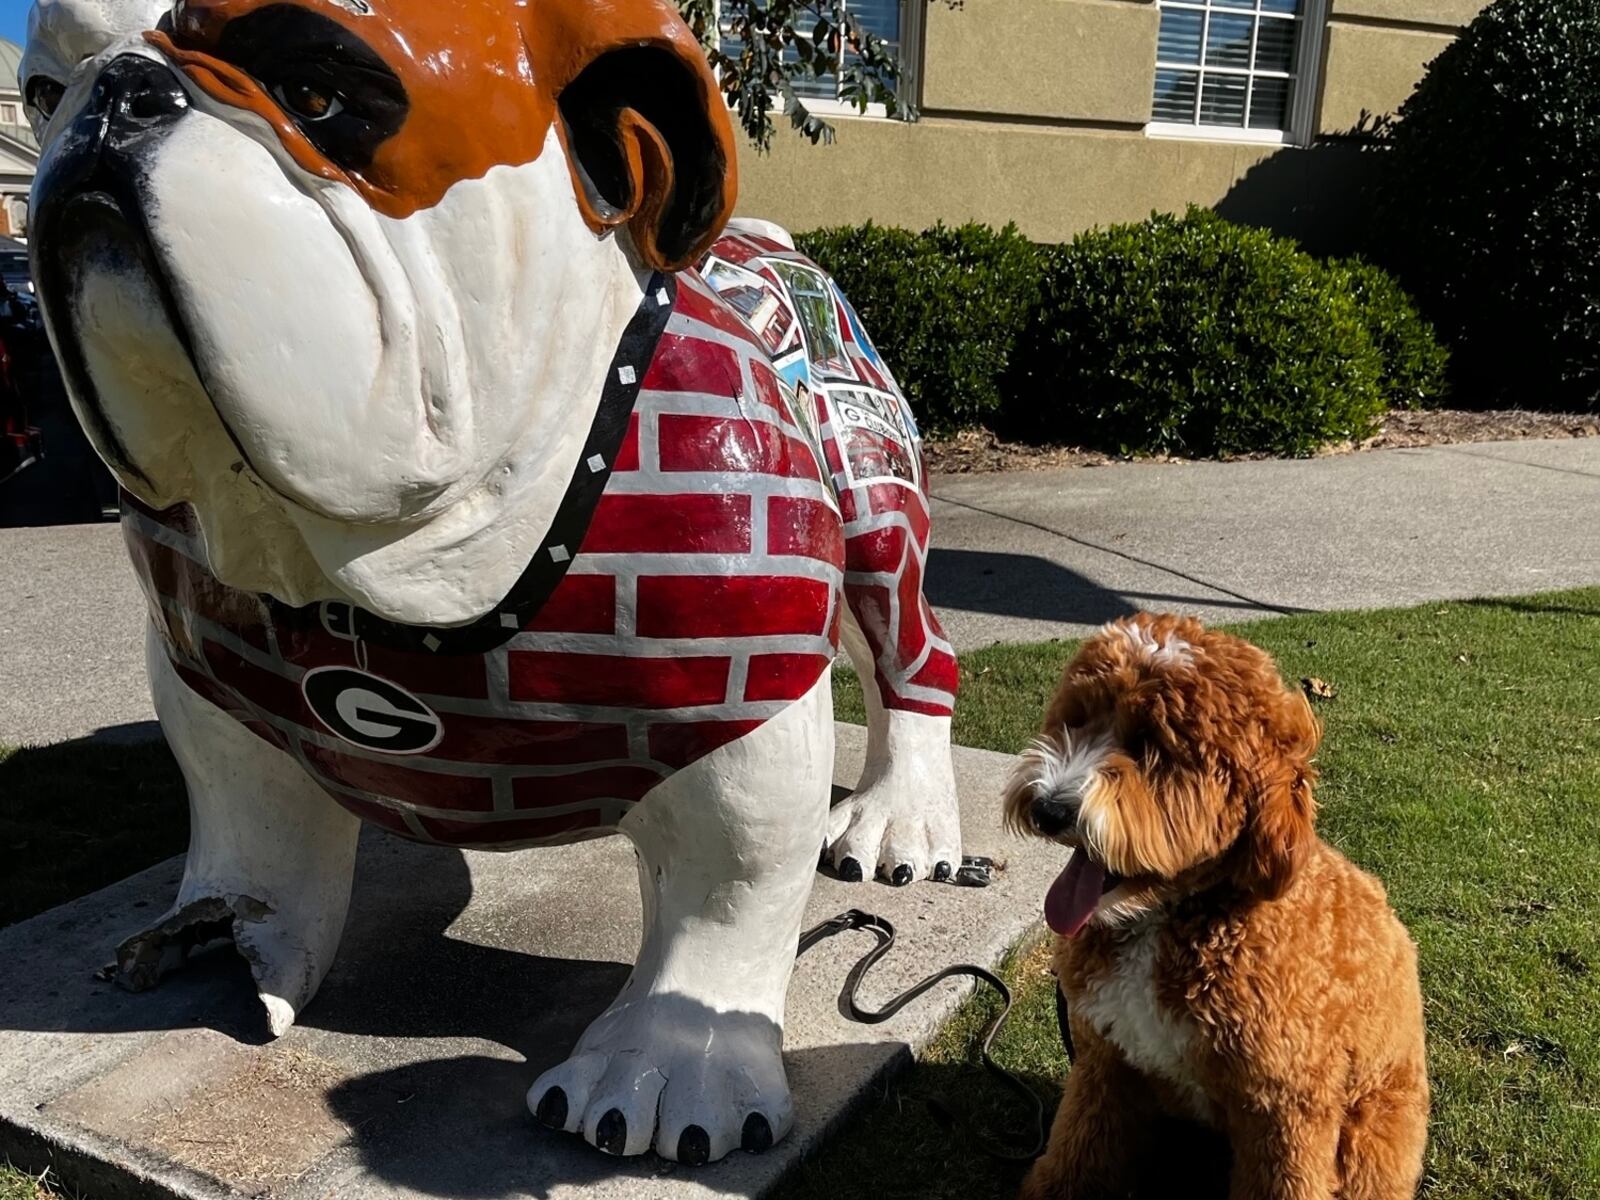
[370, 712]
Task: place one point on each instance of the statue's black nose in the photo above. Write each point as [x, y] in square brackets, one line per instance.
[1055, 814]
[137, 93]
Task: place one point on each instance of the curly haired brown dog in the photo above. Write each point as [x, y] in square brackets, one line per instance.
[1221, 964]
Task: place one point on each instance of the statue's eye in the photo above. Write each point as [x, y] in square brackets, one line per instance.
[307, 101]
[336, 88]
[45, 94]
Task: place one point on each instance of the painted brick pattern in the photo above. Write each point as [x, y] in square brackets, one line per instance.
[706, 597]
[885, 525]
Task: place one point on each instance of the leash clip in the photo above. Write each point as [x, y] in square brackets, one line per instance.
[975, 871]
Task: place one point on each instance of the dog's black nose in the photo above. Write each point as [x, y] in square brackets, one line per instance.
[137, 92]
[1054, 815]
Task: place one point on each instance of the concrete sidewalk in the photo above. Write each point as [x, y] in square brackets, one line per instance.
[1017, 557]
[1032, 555]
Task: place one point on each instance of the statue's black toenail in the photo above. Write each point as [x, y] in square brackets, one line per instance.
[694, 1146]
[941, 872]
[850, 870]
[757, 1137]
[611, 1134]
[552, 1110]
[901, 876]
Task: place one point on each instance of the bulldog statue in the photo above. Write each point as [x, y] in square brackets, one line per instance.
[485, 487]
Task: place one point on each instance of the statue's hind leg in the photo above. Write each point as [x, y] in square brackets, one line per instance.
[271, 856]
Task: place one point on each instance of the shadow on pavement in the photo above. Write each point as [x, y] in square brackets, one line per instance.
[1024, 585]
[78, 815]
[1017, 585]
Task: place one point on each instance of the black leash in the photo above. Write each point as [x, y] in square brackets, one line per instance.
[884, 932]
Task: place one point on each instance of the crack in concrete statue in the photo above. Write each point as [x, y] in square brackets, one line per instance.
[486, 484]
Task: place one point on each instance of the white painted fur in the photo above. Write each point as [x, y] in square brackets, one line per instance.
[727, 856]
[1122, 1005]
[904, 808]
[264, 839]
[762, 228]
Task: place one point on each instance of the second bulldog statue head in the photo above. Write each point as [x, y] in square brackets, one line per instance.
[482, 487]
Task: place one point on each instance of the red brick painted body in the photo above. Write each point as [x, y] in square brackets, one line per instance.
[741, 515]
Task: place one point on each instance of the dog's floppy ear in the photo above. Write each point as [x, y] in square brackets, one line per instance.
[651, 146]
[1282, 820]
[644, 125]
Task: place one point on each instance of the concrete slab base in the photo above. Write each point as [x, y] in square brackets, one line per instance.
[461, 978]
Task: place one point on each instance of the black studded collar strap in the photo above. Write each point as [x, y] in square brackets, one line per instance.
[561, 541]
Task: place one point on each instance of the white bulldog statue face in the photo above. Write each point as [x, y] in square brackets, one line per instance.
[345, 275]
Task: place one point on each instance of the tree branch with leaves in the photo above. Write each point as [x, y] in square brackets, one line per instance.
[760, 51]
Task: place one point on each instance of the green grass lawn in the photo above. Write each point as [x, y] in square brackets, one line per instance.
[1461, 763]
[14, 1185]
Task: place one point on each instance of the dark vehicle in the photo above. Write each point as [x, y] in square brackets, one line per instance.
[63, 480]
[14, 266]
[19, 440]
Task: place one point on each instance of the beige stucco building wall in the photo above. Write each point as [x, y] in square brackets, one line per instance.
[1034, 111]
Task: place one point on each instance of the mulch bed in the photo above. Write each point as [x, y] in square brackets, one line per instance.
[978, 451]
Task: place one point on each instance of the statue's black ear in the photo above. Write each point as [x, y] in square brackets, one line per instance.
[651, 147]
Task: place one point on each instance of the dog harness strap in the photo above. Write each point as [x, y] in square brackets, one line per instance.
[549, 565]
[1064, 1024]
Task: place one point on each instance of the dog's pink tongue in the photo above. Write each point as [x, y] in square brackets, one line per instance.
[1072, 898]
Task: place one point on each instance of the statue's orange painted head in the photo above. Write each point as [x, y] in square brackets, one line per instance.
[401, 99]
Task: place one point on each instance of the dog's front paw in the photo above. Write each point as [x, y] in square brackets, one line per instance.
[669, 1072]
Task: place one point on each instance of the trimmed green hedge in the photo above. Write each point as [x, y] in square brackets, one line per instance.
[1186, 335]
[1415, 364]
[1489, 202]
[1191, 335]
[943, 307]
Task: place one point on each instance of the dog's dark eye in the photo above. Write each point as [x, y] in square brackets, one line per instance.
[308, 102]
[45, 94]
[335, 87]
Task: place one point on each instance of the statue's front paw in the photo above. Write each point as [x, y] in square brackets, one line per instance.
[669, 1072]
[898, 832]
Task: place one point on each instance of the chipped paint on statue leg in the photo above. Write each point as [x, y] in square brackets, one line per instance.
[689, 1056]
[270, 863]
[903, 820]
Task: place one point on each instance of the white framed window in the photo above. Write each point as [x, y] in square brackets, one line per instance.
[897, 22]
[9, 115]
[1237, 70]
